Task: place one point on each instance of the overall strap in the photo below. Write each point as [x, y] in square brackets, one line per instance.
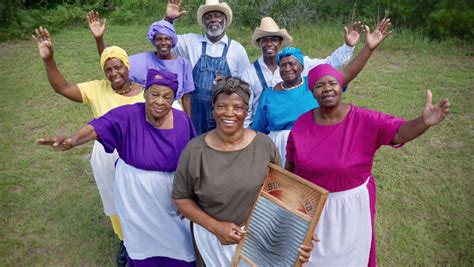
[226, 48]
[203, 48]
[260, 75]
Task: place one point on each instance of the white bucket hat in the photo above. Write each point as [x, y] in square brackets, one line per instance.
[268, 27]
[214, 5]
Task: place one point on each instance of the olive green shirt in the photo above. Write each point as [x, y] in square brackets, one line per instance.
[224, 184]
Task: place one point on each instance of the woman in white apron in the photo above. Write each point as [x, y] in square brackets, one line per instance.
[149, 138]
[334, 146]
[220, 174]
[102, 96]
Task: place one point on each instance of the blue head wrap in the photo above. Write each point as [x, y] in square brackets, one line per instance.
[291, 51]
[163, 27]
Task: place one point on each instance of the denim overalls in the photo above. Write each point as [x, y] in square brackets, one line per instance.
[204, 73]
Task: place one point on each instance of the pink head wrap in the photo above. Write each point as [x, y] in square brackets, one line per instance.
[322, 70]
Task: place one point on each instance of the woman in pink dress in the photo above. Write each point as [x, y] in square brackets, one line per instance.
[334, 146]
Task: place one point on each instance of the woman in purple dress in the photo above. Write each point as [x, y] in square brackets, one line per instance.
[149, 138]
[163, 37]
[334, 146]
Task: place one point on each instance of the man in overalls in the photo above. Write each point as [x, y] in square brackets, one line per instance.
[212, 54]
[265, 73]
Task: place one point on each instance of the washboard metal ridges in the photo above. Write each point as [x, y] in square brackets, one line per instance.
[283, 217]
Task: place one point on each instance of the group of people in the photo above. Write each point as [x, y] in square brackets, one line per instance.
[184, 134]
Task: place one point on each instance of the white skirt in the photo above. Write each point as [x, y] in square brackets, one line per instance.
[149, 219]
[345, 230]
[213, 253]
[103, 168]
[280, 138]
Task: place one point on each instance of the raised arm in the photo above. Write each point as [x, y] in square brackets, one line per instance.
[97, 29]
[430, 116]
[174, 10]
[55, 78]
[373, 40]
[352, 34]
[341, 55]
[63, 143]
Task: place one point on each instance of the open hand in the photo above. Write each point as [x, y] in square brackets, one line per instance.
[351, 36]
[382, 30]
[433, 115]
[95, 26]
[60, 142]
[305, 251]
[228, 233]
[173, 9]
[44, 42]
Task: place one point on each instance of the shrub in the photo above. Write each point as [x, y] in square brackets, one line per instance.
[438, 18]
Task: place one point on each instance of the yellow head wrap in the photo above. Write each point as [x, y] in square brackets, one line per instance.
[114, 52]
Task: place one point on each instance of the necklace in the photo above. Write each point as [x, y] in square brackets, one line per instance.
[124, 91]
[292, 87]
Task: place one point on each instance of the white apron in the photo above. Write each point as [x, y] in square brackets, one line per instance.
[280, 138]
[345, 230]
[213, 253]
[149, 219]
[103, 168]
[177, 105]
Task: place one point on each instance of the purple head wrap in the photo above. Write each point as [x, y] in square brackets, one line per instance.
[163, 27]
[162, 77]
[323, 70]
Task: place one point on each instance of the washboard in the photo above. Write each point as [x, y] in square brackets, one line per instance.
[283, 217]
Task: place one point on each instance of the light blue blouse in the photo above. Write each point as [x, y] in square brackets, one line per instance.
[279, 109]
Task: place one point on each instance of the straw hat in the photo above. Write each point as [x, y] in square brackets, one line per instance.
[268, 27]
[214, 5]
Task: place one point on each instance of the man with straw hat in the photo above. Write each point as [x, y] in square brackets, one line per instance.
[265, 72]
[211, 54]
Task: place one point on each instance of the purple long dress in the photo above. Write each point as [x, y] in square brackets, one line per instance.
[154, 233]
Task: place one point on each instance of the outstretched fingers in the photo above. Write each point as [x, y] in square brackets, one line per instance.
[444, 106]
[366, 29]
[42, 35]
[384, 26]
[47, 36]
[428, 98]
[49, 141]
[356, 25]
[89, 17]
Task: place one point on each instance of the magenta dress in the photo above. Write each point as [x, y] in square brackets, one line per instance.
[339, 158]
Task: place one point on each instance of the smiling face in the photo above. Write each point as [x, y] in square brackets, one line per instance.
[327, 91]
[116, 72]
[270, 45]
[290, 69]
[229, 112]
[163, 44]
[158, 101]
[214, 22]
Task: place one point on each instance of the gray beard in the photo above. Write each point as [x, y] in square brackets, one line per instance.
[218, 32]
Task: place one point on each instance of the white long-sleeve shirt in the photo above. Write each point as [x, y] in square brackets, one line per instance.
[189, 46]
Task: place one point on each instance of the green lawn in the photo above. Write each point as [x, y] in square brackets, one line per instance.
[51, 212]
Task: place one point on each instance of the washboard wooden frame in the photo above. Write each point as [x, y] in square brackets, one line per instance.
[289, 195]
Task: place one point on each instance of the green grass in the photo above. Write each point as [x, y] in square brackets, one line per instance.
[51, 212]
